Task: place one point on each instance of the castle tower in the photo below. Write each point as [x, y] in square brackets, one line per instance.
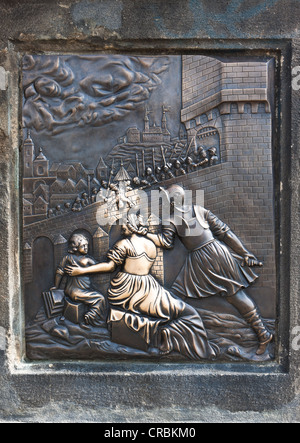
[28, 156]
[164, 127]
[164, 120]
[102, 170]
[41, 165]
[147, 120]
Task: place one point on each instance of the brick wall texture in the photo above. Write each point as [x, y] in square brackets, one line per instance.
[208, 82]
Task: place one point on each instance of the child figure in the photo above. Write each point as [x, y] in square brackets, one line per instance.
[79, 288]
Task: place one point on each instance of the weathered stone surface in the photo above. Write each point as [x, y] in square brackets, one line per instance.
[34, 392]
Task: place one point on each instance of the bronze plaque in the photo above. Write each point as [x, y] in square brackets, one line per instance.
[148, 218]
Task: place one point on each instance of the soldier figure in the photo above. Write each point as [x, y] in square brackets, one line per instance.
[77, 205]
[203, 159]
[179, 170]
[94, 195]
[59, 211]
[213, 156]
[211, 268]
[190, 165]
[85, 200]
[149, 173]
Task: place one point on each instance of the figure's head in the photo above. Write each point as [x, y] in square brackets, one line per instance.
[134, 225]
[125, 230]
[202, 153]
[78, 244]
[176, 195]
[176, 191]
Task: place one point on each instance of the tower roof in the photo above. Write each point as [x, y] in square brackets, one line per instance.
[28, 139]
[55, 166]
[40, 201]
[41, 156]
[26, 202]
[101, 164]
[122, 175]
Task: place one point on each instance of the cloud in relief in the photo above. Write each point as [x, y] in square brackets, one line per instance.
[63, 92]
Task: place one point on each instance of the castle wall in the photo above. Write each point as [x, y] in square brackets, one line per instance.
[201, 78]
[209, 82]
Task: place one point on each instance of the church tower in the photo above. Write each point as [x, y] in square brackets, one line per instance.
[147, 121]
[102, 170]
[164, 126]
[28, 156]
[41, 165]
[164, 120]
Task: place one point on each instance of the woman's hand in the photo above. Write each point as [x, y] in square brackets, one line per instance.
[74, 270]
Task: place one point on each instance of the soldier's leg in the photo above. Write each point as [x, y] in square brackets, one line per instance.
[247, 308]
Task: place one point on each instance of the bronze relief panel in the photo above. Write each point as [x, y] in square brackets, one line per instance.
[148, 218]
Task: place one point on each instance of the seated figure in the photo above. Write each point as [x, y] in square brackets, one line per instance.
[79, 288]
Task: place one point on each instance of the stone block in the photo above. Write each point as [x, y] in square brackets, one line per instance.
[73, 311]
[122, 334]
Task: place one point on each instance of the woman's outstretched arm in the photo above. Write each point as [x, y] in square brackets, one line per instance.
[100, 268]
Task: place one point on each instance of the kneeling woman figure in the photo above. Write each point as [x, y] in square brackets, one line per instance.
[166, 323]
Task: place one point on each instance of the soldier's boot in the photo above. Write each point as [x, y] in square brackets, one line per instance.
[264, 336]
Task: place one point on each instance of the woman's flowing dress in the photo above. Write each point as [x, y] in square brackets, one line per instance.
[150, 308]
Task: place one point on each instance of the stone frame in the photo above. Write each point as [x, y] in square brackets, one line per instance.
[234, 387]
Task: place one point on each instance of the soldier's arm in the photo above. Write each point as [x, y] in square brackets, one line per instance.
[225, 234]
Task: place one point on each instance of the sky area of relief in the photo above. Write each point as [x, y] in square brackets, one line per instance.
[78, 106]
